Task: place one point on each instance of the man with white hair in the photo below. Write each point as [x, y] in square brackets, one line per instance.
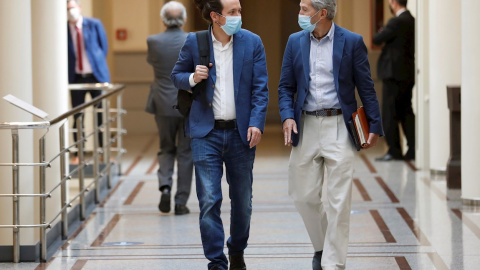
[163, 50]
[322, 66]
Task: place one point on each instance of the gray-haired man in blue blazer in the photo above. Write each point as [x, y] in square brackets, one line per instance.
[322, 66]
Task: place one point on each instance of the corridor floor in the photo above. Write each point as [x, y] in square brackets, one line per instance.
[402, 218]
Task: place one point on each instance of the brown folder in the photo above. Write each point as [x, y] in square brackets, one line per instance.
[361, 125]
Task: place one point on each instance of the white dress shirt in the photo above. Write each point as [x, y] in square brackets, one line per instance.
[322, 93]
[223, 94]
[87, 67]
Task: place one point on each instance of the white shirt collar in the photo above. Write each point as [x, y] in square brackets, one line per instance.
[400, 11]
[329, 35]
[215, 40]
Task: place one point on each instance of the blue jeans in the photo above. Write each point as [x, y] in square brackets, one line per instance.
[209, 155]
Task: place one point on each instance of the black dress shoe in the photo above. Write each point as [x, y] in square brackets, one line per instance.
[388, 157]
[164, 204]
[317, 260]
[181, 209]
[237, 262]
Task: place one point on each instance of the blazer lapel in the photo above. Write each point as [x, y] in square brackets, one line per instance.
[213, 71]
[305, 48]
[70, 41]
[86, 33]
[338, 43]
[238, 53]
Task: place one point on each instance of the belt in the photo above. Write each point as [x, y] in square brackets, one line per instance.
[225, 124]
[325, 112]
[87, 75]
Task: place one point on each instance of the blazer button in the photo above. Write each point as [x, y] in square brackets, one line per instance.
[213, 86]
[210, 104]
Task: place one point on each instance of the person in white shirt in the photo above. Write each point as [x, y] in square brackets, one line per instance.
[87, 57]
[226, 122]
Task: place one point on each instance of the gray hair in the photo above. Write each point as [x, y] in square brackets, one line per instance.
[173, 21]
[329, 5]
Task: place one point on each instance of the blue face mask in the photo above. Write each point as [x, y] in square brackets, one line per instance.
[304, 22]
[232, 25]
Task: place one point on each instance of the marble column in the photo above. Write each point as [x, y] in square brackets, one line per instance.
[16, 79]
[50, 83]
[445, 69]
[470, 96]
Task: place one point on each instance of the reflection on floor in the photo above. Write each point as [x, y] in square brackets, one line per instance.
[401, 219]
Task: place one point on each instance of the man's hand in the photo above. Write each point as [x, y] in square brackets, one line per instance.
[289, 125]
[201, 73]
[372, 140]
[254, 136]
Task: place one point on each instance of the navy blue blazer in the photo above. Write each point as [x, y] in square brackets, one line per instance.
[350, 69]
[96, 46]
[250, 84]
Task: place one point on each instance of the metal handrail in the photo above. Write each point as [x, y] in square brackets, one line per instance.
[25, 125]
[112, 90]
[109, 91]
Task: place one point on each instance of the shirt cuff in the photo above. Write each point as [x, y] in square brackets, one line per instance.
[192, 82]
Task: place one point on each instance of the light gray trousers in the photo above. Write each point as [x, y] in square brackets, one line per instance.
[324, 145]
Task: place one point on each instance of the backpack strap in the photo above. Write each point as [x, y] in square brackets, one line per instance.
[203, 41]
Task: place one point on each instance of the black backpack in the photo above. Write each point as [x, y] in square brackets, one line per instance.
[185, 97]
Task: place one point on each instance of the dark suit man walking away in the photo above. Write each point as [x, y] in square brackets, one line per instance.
[322, 66]
[226, 123]
[163, 50]
[396, 68]
[87, 58]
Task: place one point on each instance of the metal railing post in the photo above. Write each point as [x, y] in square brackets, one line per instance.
[81, 161]
[106, 141]
[95, 154]
[43, 217]
[16, 207]
[119, 132]
[63, 187]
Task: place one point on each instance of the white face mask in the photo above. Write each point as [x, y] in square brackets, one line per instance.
[73, 14]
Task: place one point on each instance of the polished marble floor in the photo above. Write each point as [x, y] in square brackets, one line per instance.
[402, 218]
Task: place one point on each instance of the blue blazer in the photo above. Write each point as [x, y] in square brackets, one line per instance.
[350, 69]
[250, 84]
[96, 46]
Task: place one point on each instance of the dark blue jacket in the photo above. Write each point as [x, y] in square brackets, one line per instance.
[96, 46]
[350, 69]
[250, 81]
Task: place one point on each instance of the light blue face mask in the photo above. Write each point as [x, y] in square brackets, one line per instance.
[304, 22]
[232, 25]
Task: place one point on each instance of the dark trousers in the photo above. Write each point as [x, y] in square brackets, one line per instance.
[397, 109]
[174, 144]
[78, 98]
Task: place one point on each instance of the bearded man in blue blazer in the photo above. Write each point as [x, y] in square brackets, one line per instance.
[322, 66]
[87, 56]
[226, 122]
